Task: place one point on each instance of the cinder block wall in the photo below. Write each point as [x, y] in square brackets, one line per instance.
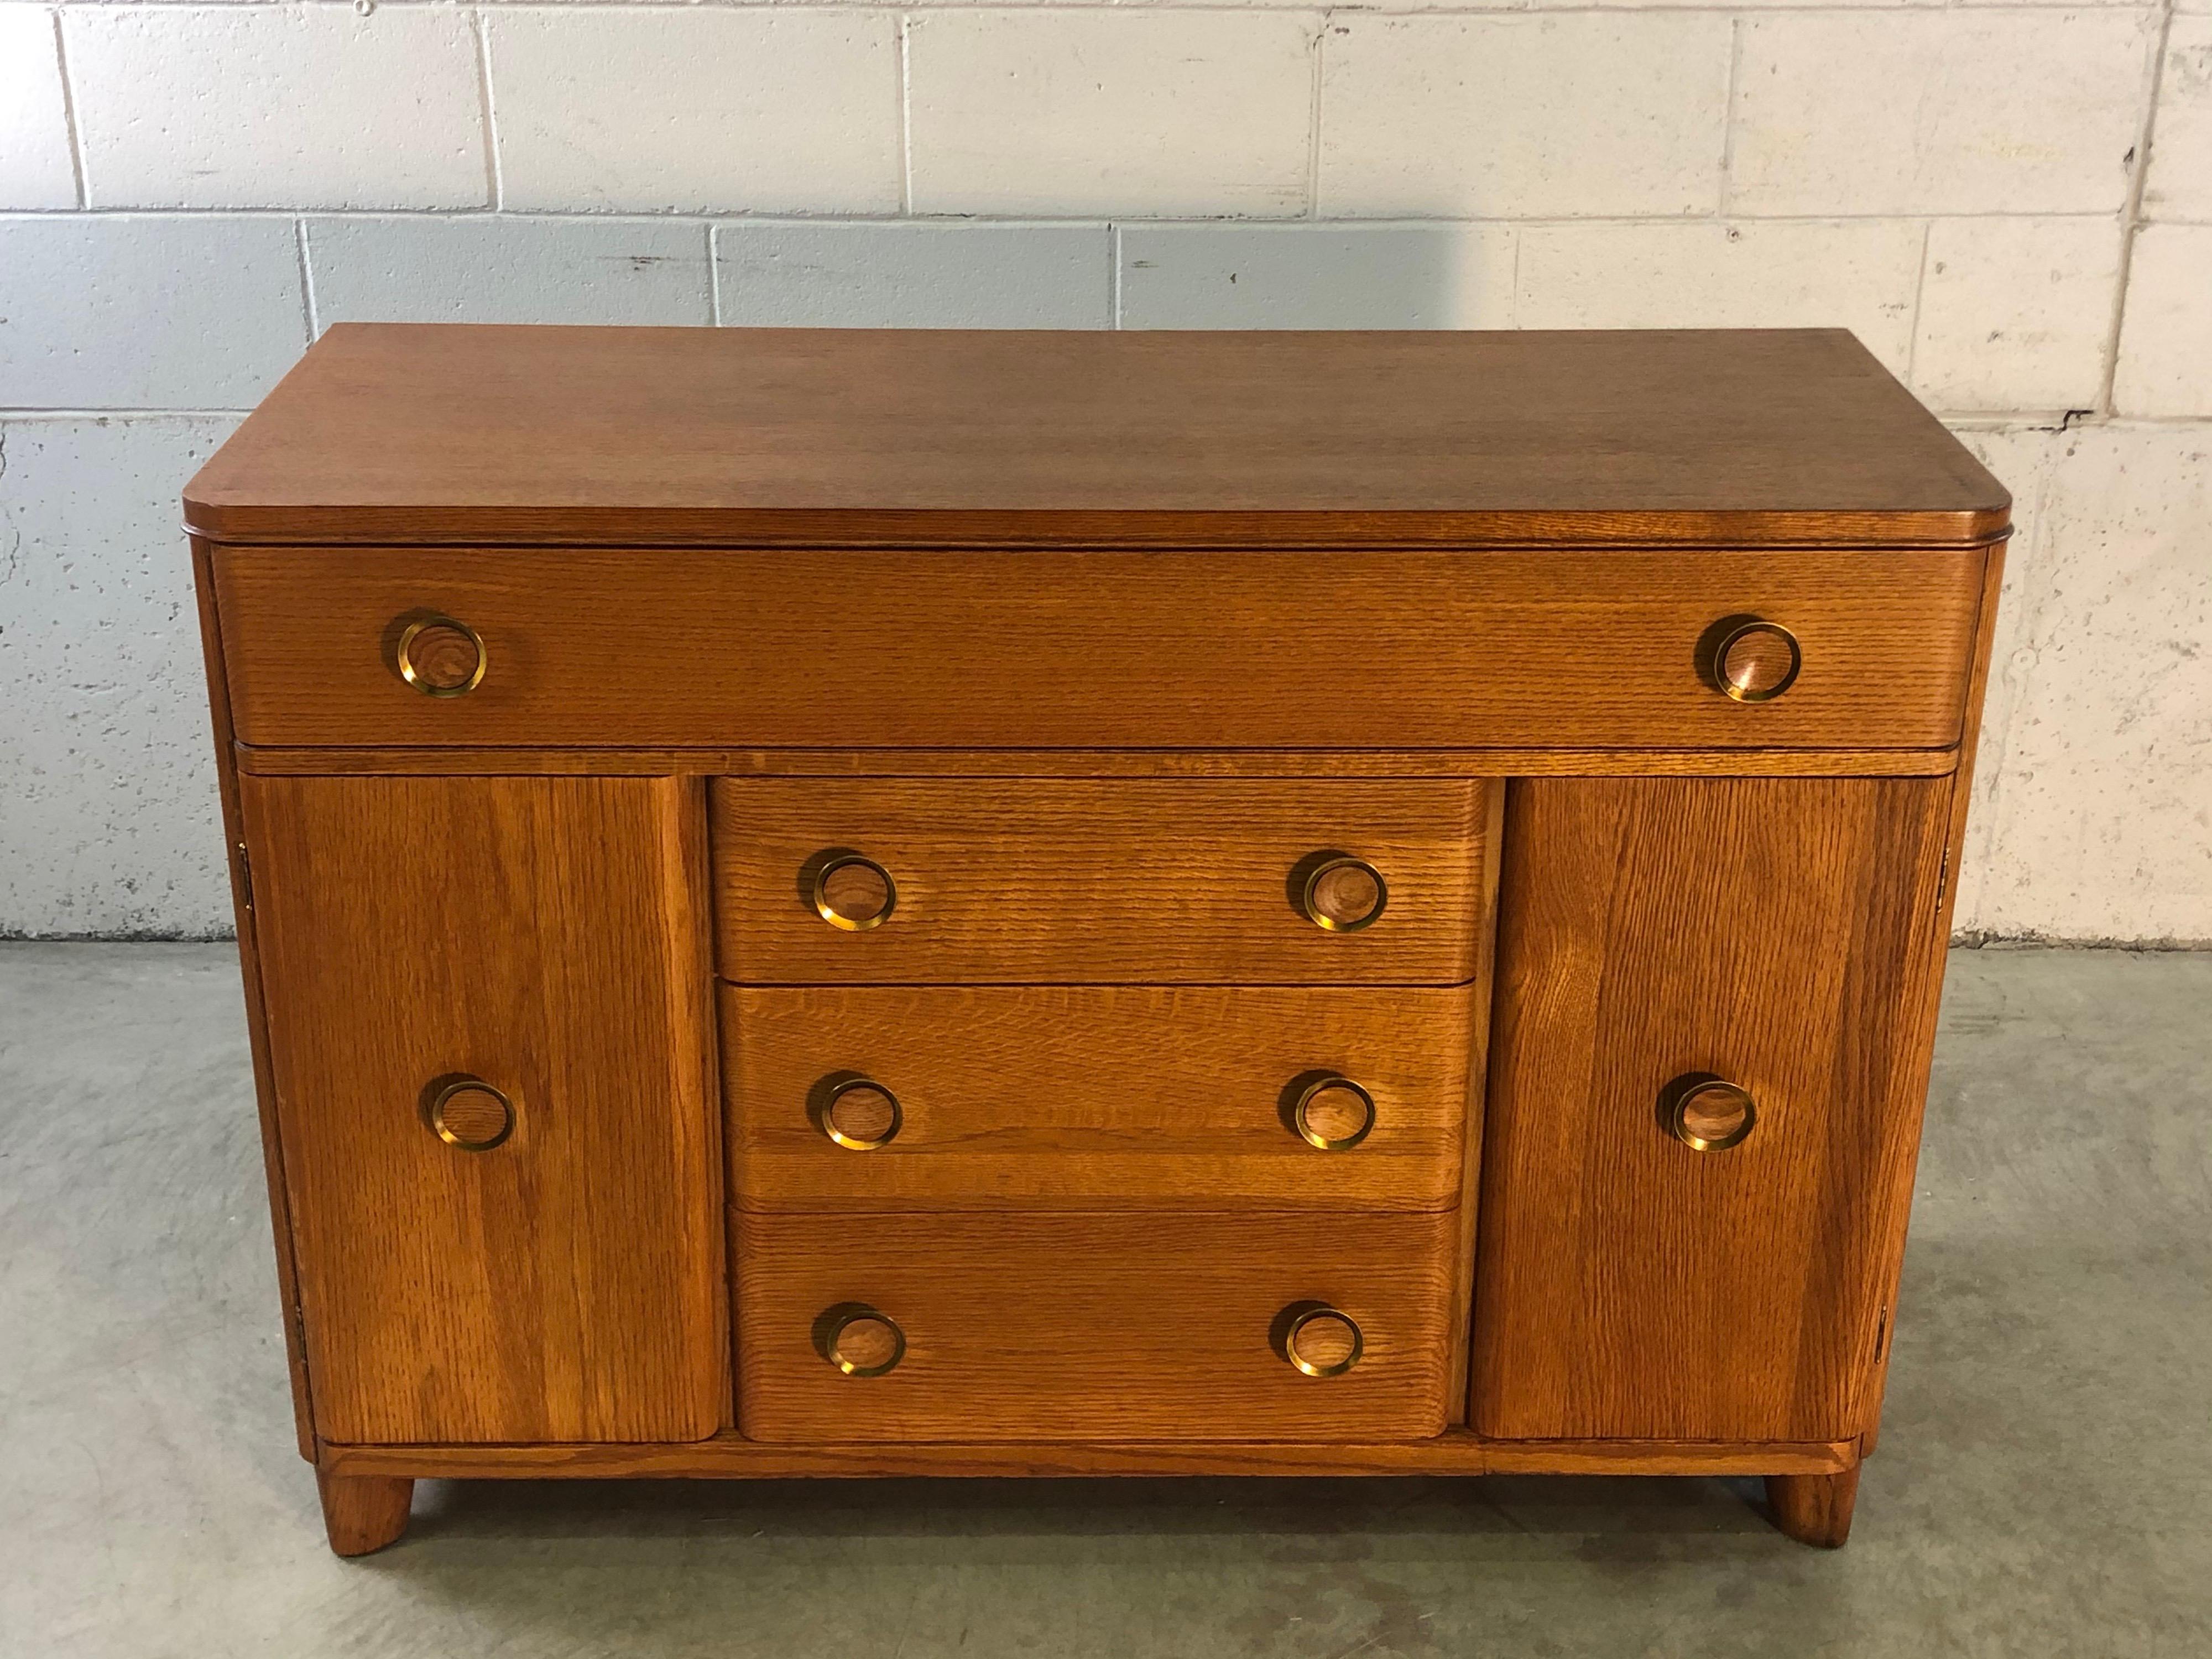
[2011, 204]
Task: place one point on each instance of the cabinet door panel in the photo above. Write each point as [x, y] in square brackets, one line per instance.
[545, 936]
[1777, 932]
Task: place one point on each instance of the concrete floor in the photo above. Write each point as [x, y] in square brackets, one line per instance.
[2044, 1488]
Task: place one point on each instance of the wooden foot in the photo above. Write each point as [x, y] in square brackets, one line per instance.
[362, 1513]
[1814, 1509]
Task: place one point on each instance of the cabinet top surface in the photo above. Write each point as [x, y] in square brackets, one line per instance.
[483, 434]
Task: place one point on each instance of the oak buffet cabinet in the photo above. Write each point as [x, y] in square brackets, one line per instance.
[848, 904]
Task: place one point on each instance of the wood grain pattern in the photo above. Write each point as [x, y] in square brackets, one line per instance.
[402, 761]
[1097, 649]
[1067, 1327]
[1174, 882]
[1091, 1096]
[1455, 1452]
[734, 435]
[545, 936]
[1760, 929]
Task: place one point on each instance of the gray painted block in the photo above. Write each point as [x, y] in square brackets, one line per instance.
[913, 276]
[36, 170]
[1316, 276]
[109, 815]
[127, 311]
[502, 270]
[278, 105]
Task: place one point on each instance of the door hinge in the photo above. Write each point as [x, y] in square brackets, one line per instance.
[1943, 877]
[244, 879]
[1880, 1334]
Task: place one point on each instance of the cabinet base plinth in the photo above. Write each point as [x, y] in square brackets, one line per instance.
[1810, 1484]
[729, 1455]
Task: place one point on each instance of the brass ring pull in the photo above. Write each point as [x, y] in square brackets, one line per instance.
[441, 657]
[851, 891]
[1333, 1112]
[468, 1113]
[1320, 1341]
[1706, 1113]
[1341, 893]
[1754, 660]
[857, 1111]
[858, 1340]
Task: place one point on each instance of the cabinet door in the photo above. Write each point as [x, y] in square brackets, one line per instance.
[545, 937]
[1777, 933]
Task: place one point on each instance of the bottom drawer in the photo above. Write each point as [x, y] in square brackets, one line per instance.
[973, 1328]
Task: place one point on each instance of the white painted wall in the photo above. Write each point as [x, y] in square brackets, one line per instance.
[2010, 203]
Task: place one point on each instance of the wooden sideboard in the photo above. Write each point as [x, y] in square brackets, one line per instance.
[883, 903]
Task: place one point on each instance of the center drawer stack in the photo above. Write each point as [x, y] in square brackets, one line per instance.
[1100, 1108]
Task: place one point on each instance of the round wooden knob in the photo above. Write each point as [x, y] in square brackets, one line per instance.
[1320, 1341]
[1756, 661]
[851, 892]
[860, 1112]
[1343, 894]
[858, 1340]
[1334, 1113]
[1706, 1113]
[468, 1113]
[439, 657]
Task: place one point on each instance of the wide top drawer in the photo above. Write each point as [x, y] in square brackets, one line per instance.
[1385, 648]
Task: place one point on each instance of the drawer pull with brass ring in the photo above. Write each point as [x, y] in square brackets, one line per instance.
[858, 1339]
[1318, 1340]
[850, 891]
[1333, 1112]
[1752, 659]
[468, 1113]
[857, 1111]
[1706, 1113]
[1340, 893]
[441, 657]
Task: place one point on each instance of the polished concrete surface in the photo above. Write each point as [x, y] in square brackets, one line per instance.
[2043, 1486]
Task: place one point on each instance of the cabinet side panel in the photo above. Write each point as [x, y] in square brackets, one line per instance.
[1760, 929]
[264, 1088]
[1933, 950]
[545, 937]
